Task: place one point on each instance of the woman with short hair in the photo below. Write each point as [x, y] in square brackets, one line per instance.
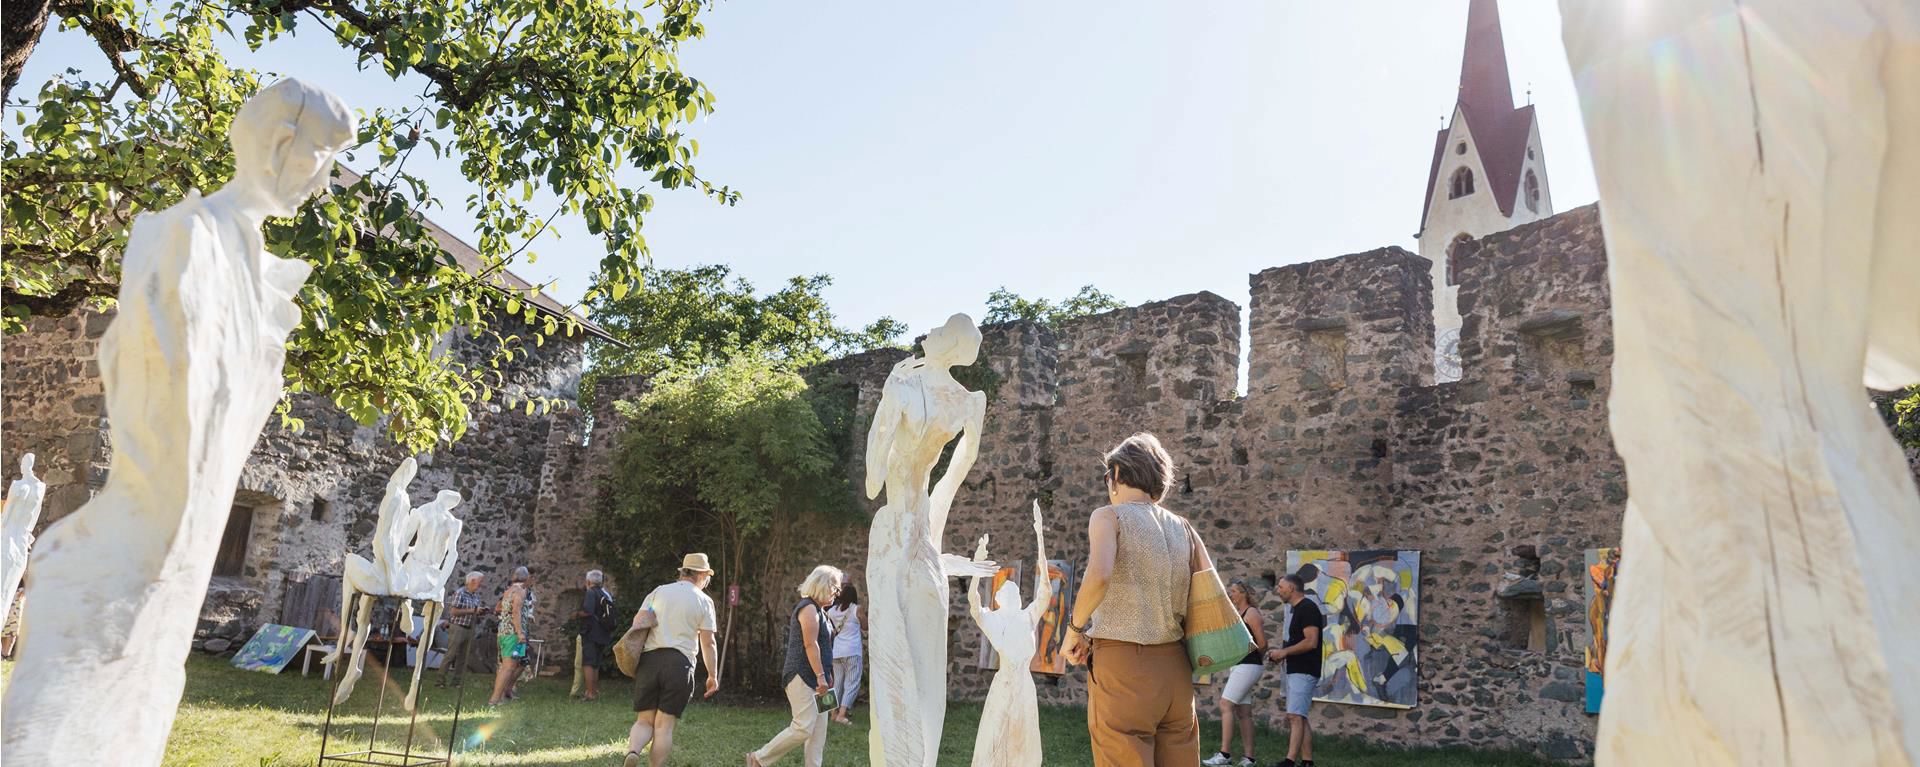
[808, 671]
[1128, 621]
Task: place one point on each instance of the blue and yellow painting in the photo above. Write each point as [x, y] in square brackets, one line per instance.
[272, 648]
[1370, 649]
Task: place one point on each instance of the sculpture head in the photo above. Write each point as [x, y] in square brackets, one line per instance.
[955, 343]
[446, 500]
[26, 464]
[1008, 597]
[402, 476]
[284, 140]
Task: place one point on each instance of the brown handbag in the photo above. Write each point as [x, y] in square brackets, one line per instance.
[627, 651]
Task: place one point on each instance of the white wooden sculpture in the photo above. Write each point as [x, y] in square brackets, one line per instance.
[414, 551]
[1758, 165]
[191, 366]
[436, 535]
[1010, 721]
[921, 409]
[376, 577]
[21, 513]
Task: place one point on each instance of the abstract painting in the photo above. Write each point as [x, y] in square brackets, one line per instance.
[1371, 599]
[1603, 566]
[272, 648]
[1053, 625]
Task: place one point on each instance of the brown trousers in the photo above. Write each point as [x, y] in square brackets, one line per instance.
[1140, 706]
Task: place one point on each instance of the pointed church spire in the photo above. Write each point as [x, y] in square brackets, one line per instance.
[1484, 86]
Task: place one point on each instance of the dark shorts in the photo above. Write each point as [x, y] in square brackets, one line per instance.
[592, 652]
[663, 682]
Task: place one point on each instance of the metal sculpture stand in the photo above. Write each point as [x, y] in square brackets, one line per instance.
[406, 756]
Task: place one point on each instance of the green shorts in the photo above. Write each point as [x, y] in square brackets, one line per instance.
[511, 648]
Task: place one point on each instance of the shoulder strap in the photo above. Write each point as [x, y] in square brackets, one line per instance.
[1193, 548]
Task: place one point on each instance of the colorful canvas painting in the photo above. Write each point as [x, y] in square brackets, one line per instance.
[987, 657]
[1052, 631]
[1603, 566]
[272, 648]
[1370, 648]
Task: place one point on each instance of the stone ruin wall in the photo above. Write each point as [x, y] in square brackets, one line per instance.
[1501, 480]
[315, 492]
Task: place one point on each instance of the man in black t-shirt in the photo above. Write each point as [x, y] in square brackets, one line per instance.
[1302, 656]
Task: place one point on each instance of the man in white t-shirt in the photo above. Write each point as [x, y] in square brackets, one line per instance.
[682, 621]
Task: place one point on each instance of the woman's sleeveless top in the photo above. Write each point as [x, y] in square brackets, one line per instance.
[1146, 600]
[796, 661]
[1255, 657]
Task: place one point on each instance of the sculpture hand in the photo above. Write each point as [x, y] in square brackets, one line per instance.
[956, 566]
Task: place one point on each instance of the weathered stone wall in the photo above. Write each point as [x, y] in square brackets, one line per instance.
[315, 492]
[1501, 479]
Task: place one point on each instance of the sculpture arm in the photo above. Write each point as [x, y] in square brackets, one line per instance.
[1042, 582]
[973, 583]
[886, 421]
[940, 501]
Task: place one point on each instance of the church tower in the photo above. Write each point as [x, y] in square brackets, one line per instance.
[1488, 175]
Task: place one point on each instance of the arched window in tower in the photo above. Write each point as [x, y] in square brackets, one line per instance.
[1453, 257]
[1533, 192]
[1461, 185]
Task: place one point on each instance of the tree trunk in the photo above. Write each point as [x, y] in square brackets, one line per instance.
[21, 27]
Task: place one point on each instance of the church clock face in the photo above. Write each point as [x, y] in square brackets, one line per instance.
[1446, 356]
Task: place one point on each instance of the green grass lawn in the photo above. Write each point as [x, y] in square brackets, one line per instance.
[233, 717]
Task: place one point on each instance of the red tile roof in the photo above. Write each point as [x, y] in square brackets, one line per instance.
[1486, 102]
[470, 262]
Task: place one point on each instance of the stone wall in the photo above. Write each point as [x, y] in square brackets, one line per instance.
[1500, 479]
[313, 493]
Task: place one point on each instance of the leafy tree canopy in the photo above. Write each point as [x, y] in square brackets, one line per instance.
[724, 459]
[1006, 306]
[703, 317]
[1901, 409]
[551, 108]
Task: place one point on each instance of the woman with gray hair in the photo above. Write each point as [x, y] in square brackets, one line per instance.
[514, 611]
[808, 671]
[596, 632]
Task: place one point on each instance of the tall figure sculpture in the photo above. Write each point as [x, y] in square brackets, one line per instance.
[921, 409]
[1758, 163]
[192, 370]
[1010, 721]
[21, 513]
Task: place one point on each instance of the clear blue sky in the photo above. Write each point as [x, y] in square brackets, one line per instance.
[923, 154]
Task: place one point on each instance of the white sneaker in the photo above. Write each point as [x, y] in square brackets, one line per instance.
[1218, 759]
[1247, 761]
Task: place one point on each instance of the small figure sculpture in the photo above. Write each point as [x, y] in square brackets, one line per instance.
[1757, 165]
[922, 408]
[21, 512]
[1010, 722]
[436, 535]
[191, 365]
[375, 578]
[414, 551]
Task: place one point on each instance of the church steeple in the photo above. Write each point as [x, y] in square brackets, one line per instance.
[1484, 85]
[1488, 172]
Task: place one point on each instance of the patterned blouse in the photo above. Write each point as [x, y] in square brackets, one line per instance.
[1152, 567]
